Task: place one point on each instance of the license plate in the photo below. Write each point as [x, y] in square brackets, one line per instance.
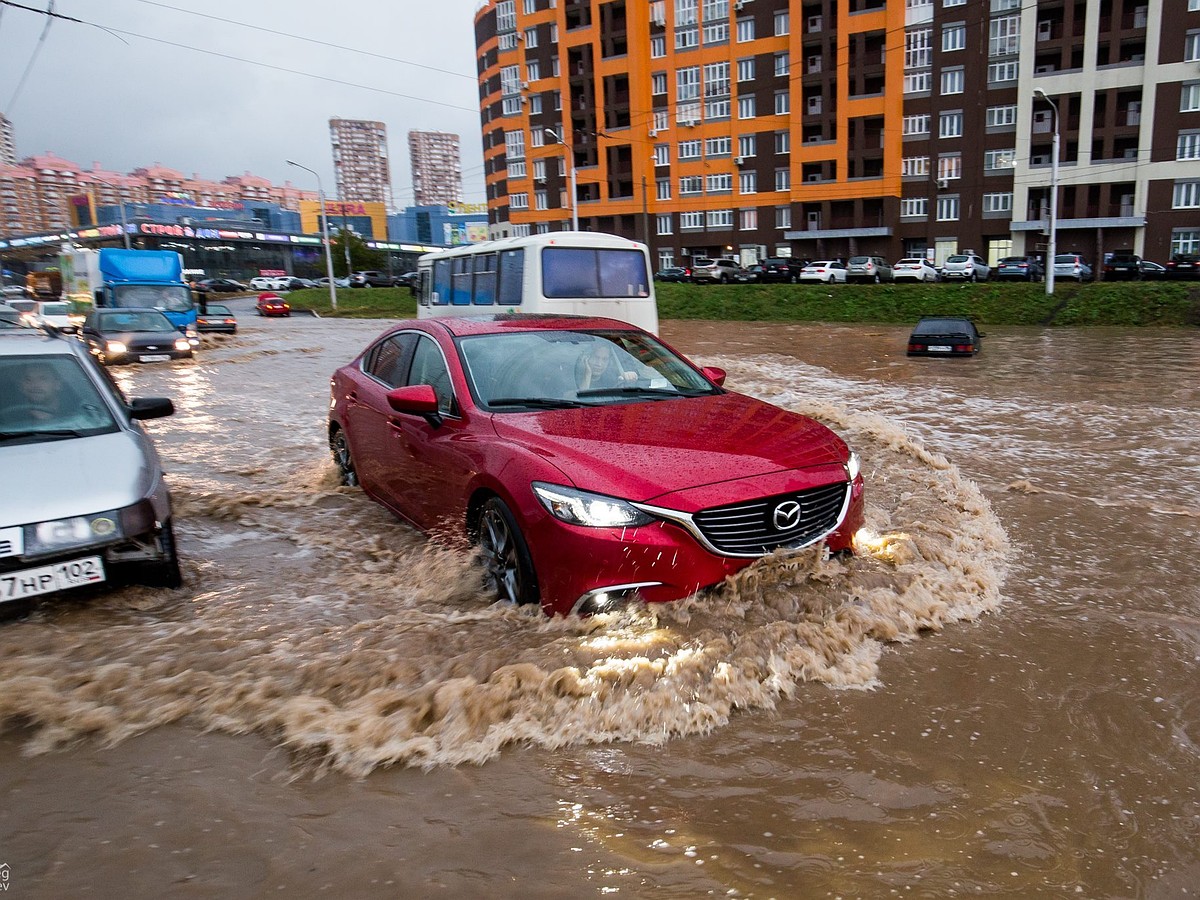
[939, 348]
[154, 357]
[46, 579]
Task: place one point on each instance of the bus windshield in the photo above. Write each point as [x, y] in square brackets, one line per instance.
[170, 297]
[594, 272]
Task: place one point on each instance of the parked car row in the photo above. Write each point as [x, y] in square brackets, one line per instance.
[967, 267]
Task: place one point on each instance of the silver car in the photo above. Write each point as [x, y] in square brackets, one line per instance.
[966, 267]
[84, 500]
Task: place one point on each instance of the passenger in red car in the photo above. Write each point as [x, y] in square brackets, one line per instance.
[599, 367]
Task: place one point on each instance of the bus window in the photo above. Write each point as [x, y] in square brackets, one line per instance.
[512, 277]
[441, 282]
[586, 272]
[485, 279]
[461, 281]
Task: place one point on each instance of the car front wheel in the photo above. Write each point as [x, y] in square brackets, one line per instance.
[165, 573]
[339, 447]
[508, 567]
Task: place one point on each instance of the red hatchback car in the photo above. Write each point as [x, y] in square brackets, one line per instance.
[588, 460]
[272, 305]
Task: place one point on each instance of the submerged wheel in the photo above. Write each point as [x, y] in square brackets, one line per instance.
[165, 573]
[508, 567]
[339, 446]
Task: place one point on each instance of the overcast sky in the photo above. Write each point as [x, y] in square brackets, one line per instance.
[186, 89]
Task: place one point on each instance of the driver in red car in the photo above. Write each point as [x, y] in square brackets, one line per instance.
[600, 368]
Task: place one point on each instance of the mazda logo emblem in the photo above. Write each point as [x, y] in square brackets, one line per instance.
[786, 515]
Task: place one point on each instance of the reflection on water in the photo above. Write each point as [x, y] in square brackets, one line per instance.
[682, 736]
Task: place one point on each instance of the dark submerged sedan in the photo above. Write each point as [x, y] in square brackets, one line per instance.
[133, 335]
[216, 318]
[944, 336]
[588, 460]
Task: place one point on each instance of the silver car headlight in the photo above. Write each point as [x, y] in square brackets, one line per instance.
[577, 507]
[853, 466]
[77, 531]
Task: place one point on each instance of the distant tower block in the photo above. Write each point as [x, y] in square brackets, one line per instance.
[436, 168]
[360, 160]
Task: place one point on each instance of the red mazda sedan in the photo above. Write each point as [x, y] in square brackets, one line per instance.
[588, 460]
[272, 305]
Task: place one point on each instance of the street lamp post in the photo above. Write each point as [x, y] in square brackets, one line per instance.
[571, 163]
[324, 234]
[1052, 250]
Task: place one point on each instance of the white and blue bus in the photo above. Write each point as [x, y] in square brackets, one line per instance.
[563, 272]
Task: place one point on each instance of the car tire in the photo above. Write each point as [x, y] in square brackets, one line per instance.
[971, 278]
[165, 573]
[795, 279]
[724, 279]
[508, 566]
[339, 447]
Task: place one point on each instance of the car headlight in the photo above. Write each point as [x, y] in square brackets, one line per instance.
[115, 347]
[853, 466]
[62, 534]
[577, 507]
[183, 344]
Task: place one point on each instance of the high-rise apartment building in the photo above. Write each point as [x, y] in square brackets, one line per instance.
[360, 160]
[818, 128]
[436, 168]
[8, 147]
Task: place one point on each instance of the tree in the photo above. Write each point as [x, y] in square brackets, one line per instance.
[361, 256]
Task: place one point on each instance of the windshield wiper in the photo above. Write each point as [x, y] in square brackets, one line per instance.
[655, 393]
[539, 402]
[54, 434]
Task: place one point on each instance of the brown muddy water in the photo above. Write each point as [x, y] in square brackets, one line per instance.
[999, 698]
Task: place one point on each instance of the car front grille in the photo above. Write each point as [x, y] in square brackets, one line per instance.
[760, 526]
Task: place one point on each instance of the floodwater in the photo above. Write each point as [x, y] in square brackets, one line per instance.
[997, 698]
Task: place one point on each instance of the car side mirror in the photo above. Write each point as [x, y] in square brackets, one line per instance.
[417, 400]
[151, 407]
[715, 375]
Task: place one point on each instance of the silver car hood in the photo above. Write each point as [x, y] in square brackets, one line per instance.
[73, 477]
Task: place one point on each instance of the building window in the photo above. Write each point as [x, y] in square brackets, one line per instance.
[1004, 36]
[783, 63]
[748, 183]
[540, 200]
[691, 220]
[530, 7]
[947, 209]
[1002, 160]
[519, 201]
[783, 103]
[506, 15]
[748, 219]
[783, 179]
[663, 224]
[949, 167]
[662, 154]
[530, 38]
[954, 37]
[689, 149]
[514, 144]
[664, 189]
[997, 203]
[685, 12]
[720, 218]
[783, 217]
[950, 124]
[914, 165]
[1001, 116]
[721, 183]
[718, 146]
[952, 81]
[946, 3]
[535, 105]
[1001, 72]
[1189, 97]
[686, 38]
[1188, 146]
[783, 142]
[745, 30]
[782, 23]
[747, 145]
[916, 124]
[918, 82]
[912, 207]
[658, 83]
[533, 70]
[716, 109]
[516, 169]
[1187, 195]
[687, 84]
[716, 80]
[1191, 47]
[746, 107]
[1185, 242]
[918, 50]
[658, 47]
[1193, 5]
[745, 69]
[690, 185]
